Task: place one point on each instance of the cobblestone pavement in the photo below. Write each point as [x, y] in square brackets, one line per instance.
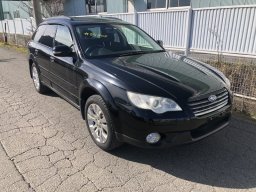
[45, 146]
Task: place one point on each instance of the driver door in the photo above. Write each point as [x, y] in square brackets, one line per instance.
[63, 68]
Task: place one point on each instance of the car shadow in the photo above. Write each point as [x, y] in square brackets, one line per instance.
[6, 60]
[51, 93]
[226, 159]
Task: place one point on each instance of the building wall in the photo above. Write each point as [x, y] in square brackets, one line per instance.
[114, 6]
[140, 5]
[74, 8]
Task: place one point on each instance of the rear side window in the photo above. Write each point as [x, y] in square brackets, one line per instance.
[39, 32]
[63, 36]
[48, 36]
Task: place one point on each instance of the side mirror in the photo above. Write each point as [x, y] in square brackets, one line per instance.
[62, 51]
[160, 42]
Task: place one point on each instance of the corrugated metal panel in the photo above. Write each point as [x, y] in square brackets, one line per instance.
[18, 26]
[227, 30]
[168, 26]
[10, 27]
[29, 26]
[129, 17]
[1, 27]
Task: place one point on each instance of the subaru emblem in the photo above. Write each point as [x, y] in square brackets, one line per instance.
[212, 98]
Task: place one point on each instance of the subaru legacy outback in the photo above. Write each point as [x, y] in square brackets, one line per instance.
[128, 88]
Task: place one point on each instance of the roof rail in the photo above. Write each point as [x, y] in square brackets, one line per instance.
[99, 16]
[114, 18]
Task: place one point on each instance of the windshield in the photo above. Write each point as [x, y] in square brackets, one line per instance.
[99, 40]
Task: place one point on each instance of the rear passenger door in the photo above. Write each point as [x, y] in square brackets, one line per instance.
[43, 52]
[63, 68]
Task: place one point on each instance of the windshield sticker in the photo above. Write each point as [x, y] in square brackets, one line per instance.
[95, 35]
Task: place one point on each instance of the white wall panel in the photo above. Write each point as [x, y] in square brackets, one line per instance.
[227, 30]
[168, 26]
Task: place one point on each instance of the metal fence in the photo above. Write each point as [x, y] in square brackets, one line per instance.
[168, 26]
[18, 26]
[230, 30]
[129, 17]
[226, 30]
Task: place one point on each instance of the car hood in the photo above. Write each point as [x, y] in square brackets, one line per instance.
[163, 72]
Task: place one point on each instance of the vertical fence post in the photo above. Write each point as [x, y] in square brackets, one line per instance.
[23, 32]
[188, 34]
[135, 18]
[32, 27]
[5, 33]
[2, 28]
[8, 26]
[15, 33]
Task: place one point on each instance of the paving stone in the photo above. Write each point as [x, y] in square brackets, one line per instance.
[48, 150]
[57, 156]
[22, 142]
[73, 183]
[34, 163]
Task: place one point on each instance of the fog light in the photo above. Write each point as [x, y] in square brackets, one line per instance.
[153, 138]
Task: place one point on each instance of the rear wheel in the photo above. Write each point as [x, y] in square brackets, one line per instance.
[40, 88]
[100, 123]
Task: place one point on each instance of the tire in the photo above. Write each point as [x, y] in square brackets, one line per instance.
[100, 124]
[40, 88]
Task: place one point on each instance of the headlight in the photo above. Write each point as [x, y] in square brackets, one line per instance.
[156, 104]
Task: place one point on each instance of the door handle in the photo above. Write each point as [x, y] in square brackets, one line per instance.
[52, 59]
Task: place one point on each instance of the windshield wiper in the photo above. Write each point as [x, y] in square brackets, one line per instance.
[132, 53]
[139, 52]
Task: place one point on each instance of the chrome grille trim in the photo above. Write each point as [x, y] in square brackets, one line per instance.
[210, 104]
[203, 106]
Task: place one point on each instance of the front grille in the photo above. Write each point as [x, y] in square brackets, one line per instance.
[204, 106]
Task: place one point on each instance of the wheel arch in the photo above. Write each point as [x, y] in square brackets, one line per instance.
[30, 62]
[91, 87]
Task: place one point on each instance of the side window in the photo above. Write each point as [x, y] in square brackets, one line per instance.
[63, 36]
[39, 32]
[47, 38]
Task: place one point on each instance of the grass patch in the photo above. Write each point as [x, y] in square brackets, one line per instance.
[17, 48]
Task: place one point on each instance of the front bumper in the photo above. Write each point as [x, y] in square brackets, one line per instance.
[175, 132]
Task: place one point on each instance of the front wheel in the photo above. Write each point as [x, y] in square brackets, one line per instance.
[100, 123]
[40, 88]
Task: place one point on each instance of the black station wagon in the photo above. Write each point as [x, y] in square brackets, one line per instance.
[128, 88]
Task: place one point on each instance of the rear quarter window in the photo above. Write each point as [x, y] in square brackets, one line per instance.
[63, 36]
[48, 36]
[39, 32]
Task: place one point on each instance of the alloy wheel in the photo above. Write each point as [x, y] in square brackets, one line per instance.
[35, 78]
[97, 123]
